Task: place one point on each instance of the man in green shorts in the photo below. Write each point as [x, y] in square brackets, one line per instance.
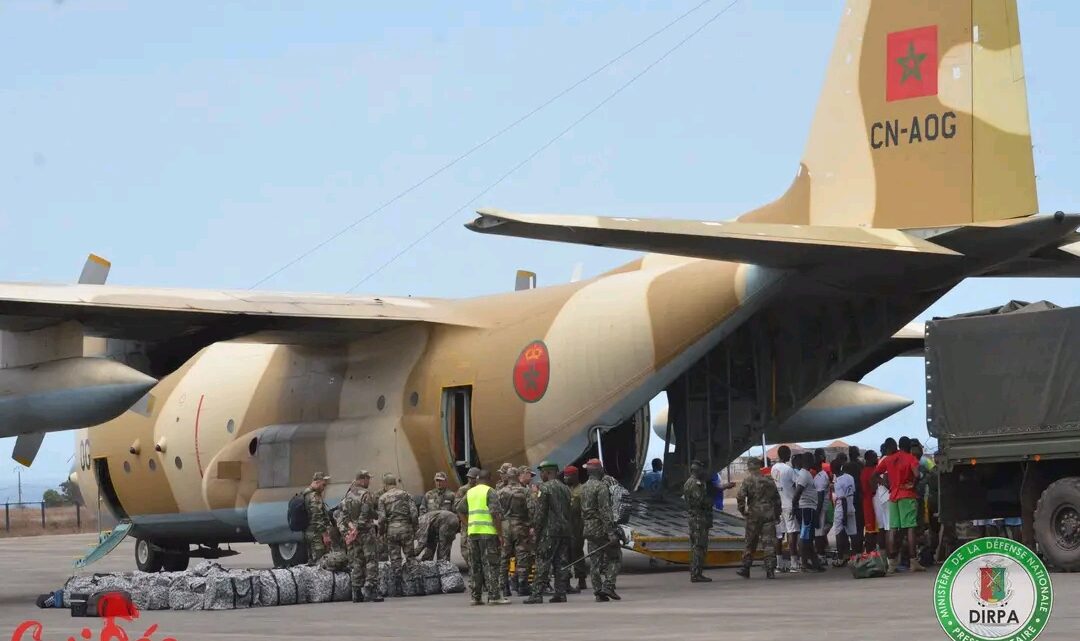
[901, 469]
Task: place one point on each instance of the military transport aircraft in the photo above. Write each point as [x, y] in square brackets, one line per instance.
[918, 173]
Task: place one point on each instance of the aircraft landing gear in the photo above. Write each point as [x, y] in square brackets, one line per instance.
[148, 558]
[286, 555]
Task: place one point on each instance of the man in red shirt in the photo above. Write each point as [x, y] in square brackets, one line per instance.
[869, 488]
[902, 469]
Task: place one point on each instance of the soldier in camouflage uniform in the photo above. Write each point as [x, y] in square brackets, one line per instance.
[616, 555]
[599, 528]
[484, 558]
[436, 534]
[317, 534]
[398, 513]
[504, 476]
[759, 502]
[577, 531]
[699, 512]
[517, 542]
[439, 498]
[551, 523]
[459, 497]
[356, 522]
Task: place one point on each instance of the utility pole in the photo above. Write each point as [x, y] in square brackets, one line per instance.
[18, 472]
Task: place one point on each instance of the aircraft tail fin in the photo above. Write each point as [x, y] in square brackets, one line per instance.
[922, 121]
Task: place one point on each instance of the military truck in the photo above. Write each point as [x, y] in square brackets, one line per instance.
[1003, 400]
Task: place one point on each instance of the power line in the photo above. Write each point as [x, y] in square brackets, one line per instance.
[478, 146]
[547, 144]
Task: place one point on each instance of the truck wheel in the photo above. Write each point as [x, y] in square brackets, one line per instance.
[1057, 524]
[176, 560]
[147, 557]
[286, 555]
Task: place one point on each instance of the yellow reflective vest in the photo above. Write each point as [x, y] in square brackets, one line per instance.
[480, 521]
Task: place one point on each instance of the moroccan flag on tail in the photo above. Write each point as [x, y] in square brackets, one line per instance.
[911, 63]
[992, 584]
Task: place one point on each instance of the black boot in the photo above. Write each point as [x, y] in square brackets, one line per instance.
[357, 596]
[744, 571]
[610, 592]
[581, 585]
[523, 585]
[601, 597]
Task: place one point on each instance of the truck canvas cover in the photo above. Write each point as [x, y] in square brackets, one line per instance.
[1011, 373]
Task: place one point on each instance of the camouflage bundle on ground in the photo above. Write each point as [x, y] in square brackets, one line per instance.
[209, 586]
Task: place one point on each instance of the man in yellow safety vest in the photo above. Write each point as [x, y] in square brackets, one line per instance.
[481, 519]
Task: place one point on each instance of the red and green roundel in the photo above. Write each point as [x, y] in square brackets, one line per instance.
[532, 371]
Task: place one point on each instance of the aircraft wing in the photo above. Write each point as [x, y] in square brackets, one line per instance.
[182, 321]
[766, 244]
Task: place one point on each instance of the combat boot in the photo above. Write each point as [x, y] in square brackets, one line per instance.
[700, 578]
[744, 571]
[523, 585]
[601, 597]
[357, 596]
[558, 598]
[581, 585]
[533, 599]
[611, 594]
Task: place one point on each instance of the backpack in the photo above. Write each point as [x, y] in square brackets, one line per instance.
[299, 519]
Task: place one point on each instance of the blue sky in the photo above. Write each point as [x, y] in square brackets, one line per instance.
[207, 146]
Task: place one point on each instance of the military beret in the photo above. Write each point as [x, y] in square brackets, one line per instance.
[594, 464]
[440, 476]
[569, 469]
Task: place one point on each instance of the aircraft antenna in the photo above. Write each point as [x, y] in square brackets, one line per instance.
[480, 145]
[547, 144]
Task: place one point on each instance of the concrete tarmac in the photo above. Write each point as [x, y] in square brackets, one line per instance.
[658, 604]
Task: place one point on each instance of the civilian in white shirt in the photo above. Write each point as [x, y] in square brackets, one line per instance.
[788, 528]
[821, 487]
[805, 504]
[844, 527]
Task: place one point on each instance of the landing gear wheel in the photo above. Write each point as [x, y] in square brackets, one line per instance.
[176, 560]
[147, 557]
[286, 555]
[1057, 524]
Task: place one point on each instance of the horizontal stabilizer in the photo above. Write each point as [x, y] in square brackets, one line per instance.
[766, 244]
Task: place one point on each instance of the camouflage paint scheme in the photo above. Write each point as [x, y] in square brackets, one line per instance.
[349, 368]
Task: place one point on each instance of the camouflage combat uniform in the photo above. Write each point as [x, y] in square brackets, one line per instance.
[759, 502]
[616, 555]
[517, 541]
[484, 555]
[436, 534]
[599, 529]
[551, 522]
[459, 498]
[577, 533]
[318, 525]
[358, 509]
[398, 514]
[437, 499]
[699, 512]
